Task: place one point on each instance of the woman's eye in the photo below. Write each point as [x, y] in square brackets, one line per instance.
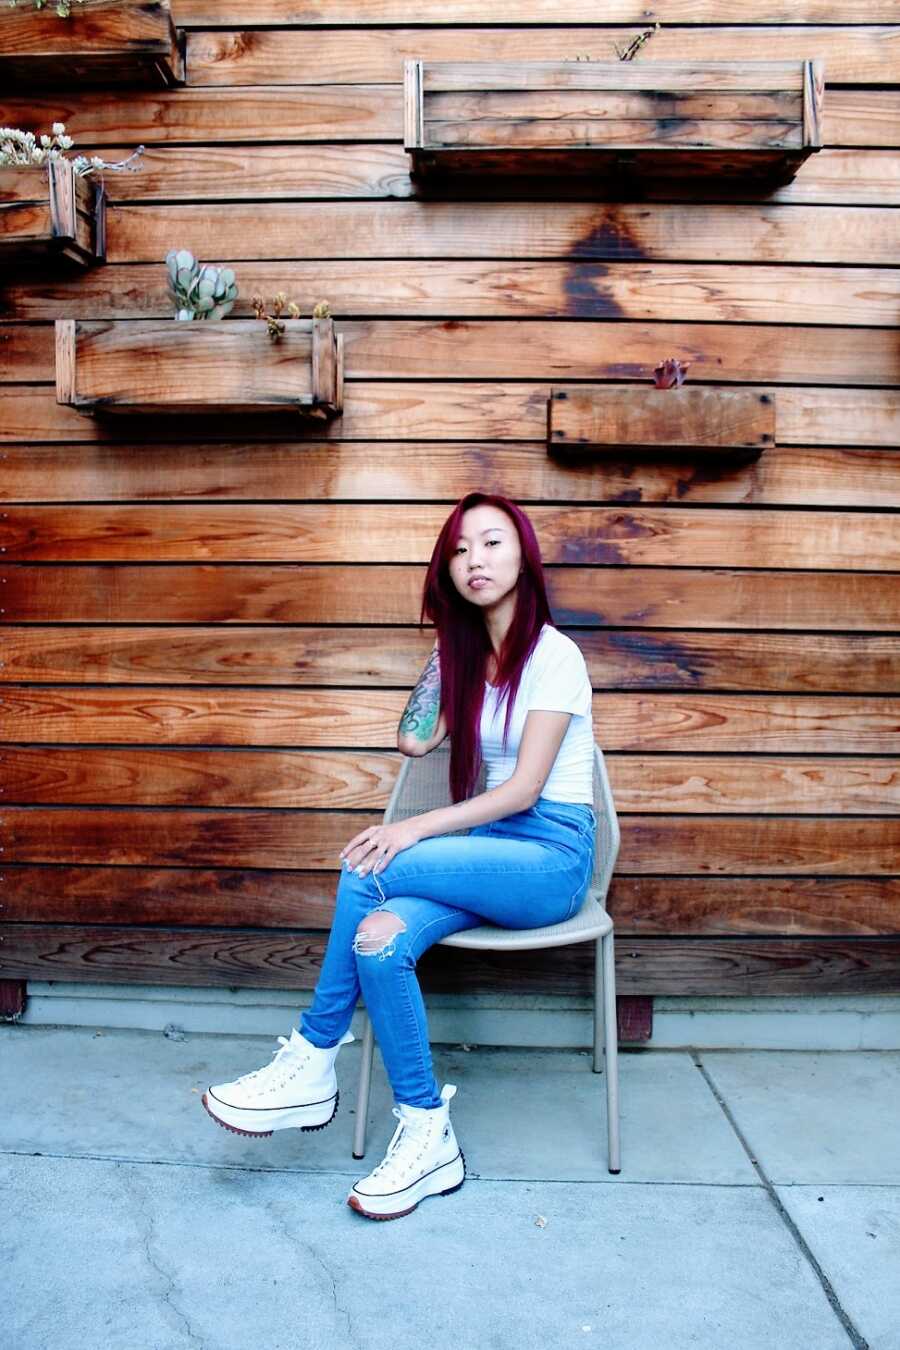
[490, 541]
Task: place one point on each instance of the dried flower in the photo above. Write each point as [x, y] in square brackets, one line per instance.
[635, 45]
[322, 310]
[280, 303]
[670, 373]
[62, 7]
[22, 149]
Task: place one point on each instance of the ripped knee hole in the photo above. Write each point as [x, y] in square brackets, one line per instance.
[374, 936]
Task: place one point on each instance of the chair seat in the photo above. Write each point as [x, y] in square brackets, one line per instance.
[591, 921]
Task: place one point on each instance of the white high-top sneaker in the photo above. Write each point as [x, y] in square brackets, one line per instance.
[423, 1158]
[297, 1090]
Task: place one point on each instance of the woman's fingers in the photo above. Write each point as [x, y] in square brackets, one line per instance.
[359, 849]
[356, 842]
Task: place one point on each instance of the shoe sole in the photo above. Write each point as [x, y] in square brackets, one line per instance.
[355, 1202]
[265, 1134]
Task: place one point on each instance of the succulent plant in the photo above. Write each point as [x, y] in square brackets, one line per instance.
[199, 290]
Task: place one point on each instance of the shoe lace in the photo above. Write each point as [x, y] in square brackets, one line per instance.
[282, 1056]
[407, 1147]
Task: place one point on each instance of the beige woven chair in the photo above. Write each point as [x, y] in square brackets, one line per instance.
[423, 785]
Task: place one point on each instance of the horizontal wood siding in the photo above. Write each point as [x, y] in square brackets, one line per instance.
[210, 630]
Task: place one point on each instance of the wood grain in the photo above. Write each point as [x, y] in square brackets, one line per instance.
[340, 780]
[456, 411]
[613, 419]
[653, 597]
[370, 55]
[858, 906]
[180, 368]
[167, 956]
[312, 13]
[210, 630]
[334, 112]
[596, 349]
[174, 173]
[674, 845]
[105, 42]
[607, 536]
[266, 960]
[320, 112]
[555, 230]
[448, 289]
[616, 657]
[395, 471]
[333, 718]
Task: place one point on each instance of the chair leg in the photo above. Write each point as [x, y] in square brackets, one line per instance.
[598, 1007]
[362, 1092]
[611, 1052]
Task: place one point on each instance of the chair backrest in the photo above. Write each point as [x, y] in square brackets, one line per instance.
[423, 784]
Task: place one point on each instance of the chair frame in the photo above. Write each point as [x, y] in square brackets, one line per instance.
[423, 785]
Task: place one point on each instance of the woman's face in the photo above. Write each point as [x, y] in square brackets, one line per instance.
[488, 547]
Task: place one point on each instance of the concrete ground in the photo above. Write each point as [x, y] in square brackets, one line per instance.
[758, 1206]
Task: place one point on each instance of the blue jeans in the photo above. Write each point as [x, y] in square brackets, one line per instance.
[527, 870]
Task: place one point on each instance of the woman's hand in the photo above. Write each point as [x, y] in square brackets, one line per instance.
[373, 848]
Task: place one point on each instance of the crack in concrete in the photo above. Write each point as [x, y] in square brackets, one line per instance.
[272, 1207]
[147, 1234]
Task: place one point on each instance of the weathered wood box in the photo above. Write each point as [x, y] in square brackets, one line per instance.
[613, 417]
[642, 119]
[103, 43]
[50, 212]
[226, 366]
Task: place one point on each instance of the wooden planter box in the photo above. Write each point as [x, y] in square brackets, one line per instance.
[199, 366]
[609, 418]
[50, 212]
[103, 42]
[646, 119]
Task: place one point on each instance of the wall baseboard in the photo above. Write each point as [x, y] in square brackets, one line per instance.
[835, 1022]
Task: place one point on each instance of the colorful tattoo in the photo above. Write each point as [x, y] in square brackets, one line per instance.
[420, 717]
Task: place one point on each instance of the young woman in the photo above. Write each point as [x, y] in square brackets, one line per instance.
[498, 668]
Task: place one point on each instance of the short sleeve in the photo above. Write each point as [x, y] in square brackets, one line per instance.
[560, 681]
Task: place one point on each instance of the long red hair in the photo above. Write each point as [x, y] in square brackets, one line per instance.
[464, 641]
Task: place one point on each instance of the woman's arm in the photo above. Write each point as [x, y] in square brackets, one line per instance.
[422, 726]
[541, 738]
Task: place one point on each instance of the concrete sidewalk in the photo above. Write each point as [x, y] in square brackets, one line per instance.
[758, 1206]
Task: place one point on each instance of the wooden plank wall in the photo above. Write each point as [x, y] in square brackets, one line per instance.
[209, 642]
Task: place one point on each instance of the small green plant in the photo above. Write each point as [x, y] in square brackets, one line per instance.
[199, 290]
[62, 7]
[23, 149]
[670, 373]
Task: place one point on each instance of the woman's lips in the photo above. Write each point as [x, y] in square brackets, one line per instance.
[477, 583]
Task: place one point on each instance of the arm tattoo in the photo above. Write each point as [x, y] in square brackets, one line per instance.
[420, 716]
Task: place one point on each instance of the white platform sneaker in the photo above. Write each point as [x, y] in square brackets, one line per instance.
[423, 1158]
[297, 1090]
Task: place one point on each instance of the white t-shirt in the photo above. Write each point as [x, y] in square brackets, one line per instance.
[554, 678]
